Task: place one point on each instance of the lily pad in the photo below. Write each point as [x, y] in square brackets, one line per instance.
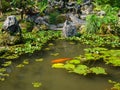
[8, 63]
[54, 54]
[98, 70]
[39, 60]
[25, 62]
[58, 65]
[74, 61]
[81, 69]
[69, 66]
[37, 84]
[20, 65]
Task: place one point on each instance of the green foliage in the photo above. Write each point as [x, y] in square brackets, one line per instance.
[79, 1]
[52, 18]
[43, 4]
[5, 5]
[93, 24]
[20, 65]
[8, 63]
[74, 61]
[97, 40]
[98, 70]
[69, 66]
[81, 69]
[116, 85]
[114, 3]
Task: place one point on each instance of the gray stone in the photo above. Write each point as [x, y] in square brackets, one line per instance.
[11, 31]
[69, 29]
[76, 20]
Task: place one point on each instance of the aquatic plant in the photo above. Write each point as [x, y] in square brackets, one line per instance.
[39, 60]
[32, 42]
[26, 62]
[20, 65]
[54, 54]
[81, 69]
[8, 63]
[98, 70]
[3, 74]
[74, 66]
[37, 84]
[58, 65]
[97, 40]
[116, 85]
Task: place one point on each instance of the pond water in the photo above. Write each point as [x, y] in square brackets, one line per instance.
[52, 79]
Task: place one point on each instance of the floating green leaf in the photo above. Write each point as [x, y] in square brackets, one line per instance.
[25, 62]
[39, 60]
[69, 66]
[20, 65]
[74, 61]
[8, 63]
[81, 69]
[98, 70]
[47, 49]
[37, 84]
[2, 69]
[58, 65]
[54, 54]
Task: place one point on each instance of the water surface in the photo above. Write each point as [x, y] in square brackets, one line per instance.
[52, 79]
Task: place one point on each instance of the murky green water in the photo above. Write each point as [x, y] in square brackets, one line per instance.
[52, 79]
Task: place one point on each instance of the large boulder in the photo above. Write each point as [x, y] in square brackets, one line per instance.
[69, 29]
[11, 31]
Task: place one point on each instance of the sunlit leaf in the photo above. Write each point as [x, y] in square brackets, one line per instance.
[58, 65]
[69, 66]
[74, 61]
[98, 70]
[81, 69]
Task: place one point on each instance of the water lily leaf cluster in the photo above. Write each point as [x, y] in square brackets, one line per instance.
[116, 85]
[97, 40]
[32, 42]
[3, 74]
[111, 57]
[75, 66]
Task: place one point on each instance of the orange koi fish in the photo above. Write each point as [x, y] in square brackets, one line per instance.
[61, 60]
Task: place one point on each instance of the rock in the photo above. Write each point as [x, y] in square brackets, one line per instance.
[11, 31]
[37, 20]
[83, 16]
[60, 25]
[69, 29]
[76, 20]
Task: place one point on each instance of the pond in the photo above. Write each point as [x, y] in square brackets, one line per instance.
[53, 79]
